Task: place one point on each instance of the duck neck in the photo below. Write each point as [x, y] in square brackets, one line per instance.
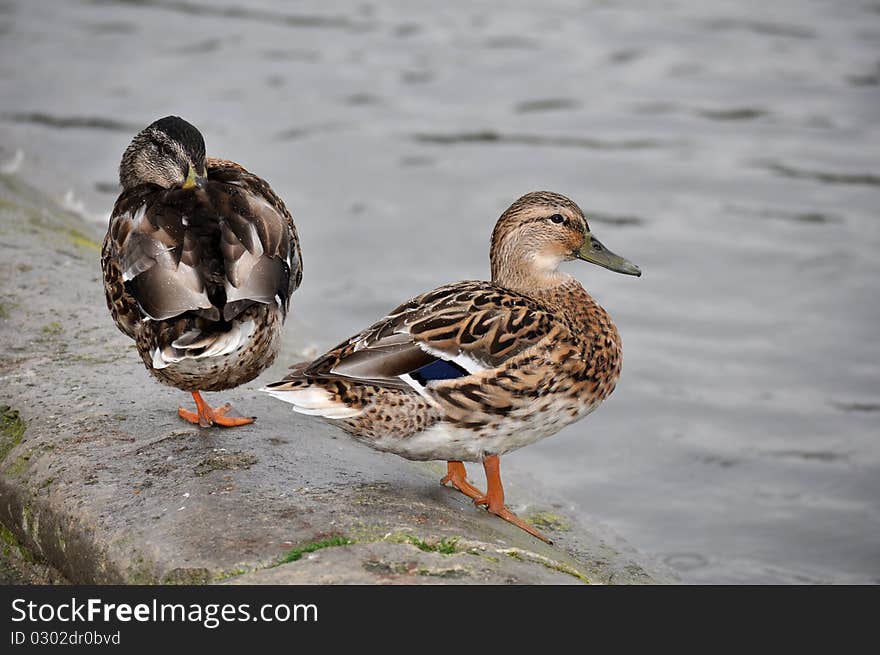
[558, 291]
[568, 297]
[525, 273]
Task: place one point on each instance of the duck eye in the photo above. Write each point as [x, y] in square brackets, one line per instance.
[558, 219]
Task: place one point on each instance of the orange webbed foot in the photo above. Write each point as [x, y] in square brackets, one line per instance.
[457, 477]
[206, 416]
[493, 499]
[510, 517]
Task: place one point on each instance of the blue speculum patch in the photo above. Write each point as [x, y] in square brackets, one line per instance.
[438, 370]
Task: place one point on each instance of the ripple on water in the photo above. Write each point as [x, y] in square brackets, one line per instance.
[613, 219]
[625, 56]
[71, 122]
[490, 136]
[406, 29]
[856, 406]
[304, 131]
[809, 455]
[717, 460]
[280, 54]
[111, 27]
[871, 78]
[275, 81]
[546, 104]
[766, 28]
[808, 217]
[511, 42]
[247, 13]
[416, 76]
[358, 99]
[825, 177]
[733, 114]
[202, 47]
[413, 161]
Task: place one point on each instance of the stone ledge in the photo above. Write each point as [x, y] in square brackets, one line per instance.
[102, 481]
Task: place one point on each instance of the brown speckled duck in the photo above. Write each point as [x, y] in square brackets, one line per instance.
[474, 370]
[200, 260]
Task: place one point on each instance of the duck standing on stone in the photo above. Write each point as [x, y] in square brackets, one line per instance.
[200, 260]
[474, 370]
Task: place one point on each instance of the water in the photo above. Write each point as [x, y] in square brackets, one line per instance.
[729, 148]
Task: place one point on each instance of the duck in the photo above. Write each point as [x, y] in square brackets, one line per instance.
[473, 370]
[199, 263]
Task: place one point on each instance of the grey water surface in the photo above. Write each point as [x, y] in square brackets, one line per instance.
[729, 148]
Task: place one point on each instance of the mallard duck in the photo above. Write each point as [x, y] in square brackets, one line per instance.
[473, 370]
[200, 260]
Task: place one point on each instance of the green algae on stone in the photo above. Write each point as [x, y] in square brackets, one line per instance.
[526, 556]
[12, 546]
[548, 521]
[479, 553]
[30, 523]
[51, 330]
[381, 567]
[296, 554]
[140, 572]
[187, 576]
[18, 466]
[452, 573]
[12, 428]
[233, 573]
[445, 546]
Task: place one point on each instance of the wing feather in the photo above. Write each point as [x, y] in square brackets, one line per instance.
[214, 251]
[474, 325]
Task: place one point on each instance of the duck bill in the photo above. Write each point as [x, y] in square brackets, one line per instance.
[193, 180]
[594, 252]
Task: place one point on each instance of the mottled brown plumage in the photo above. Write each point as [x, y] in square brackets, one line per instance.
[473, 370]
[200, 260]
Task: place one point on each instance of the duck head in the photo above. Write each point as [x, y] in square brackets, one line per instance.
[169, 153]
[540, 231]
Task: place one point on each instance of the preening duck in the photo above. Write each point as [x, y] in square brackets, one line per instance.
[473, 370]
[200, 260]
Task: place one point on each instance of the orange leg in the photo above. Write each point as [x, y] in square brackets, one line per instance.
[457, 476]
[494, 497]
[206, 416]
